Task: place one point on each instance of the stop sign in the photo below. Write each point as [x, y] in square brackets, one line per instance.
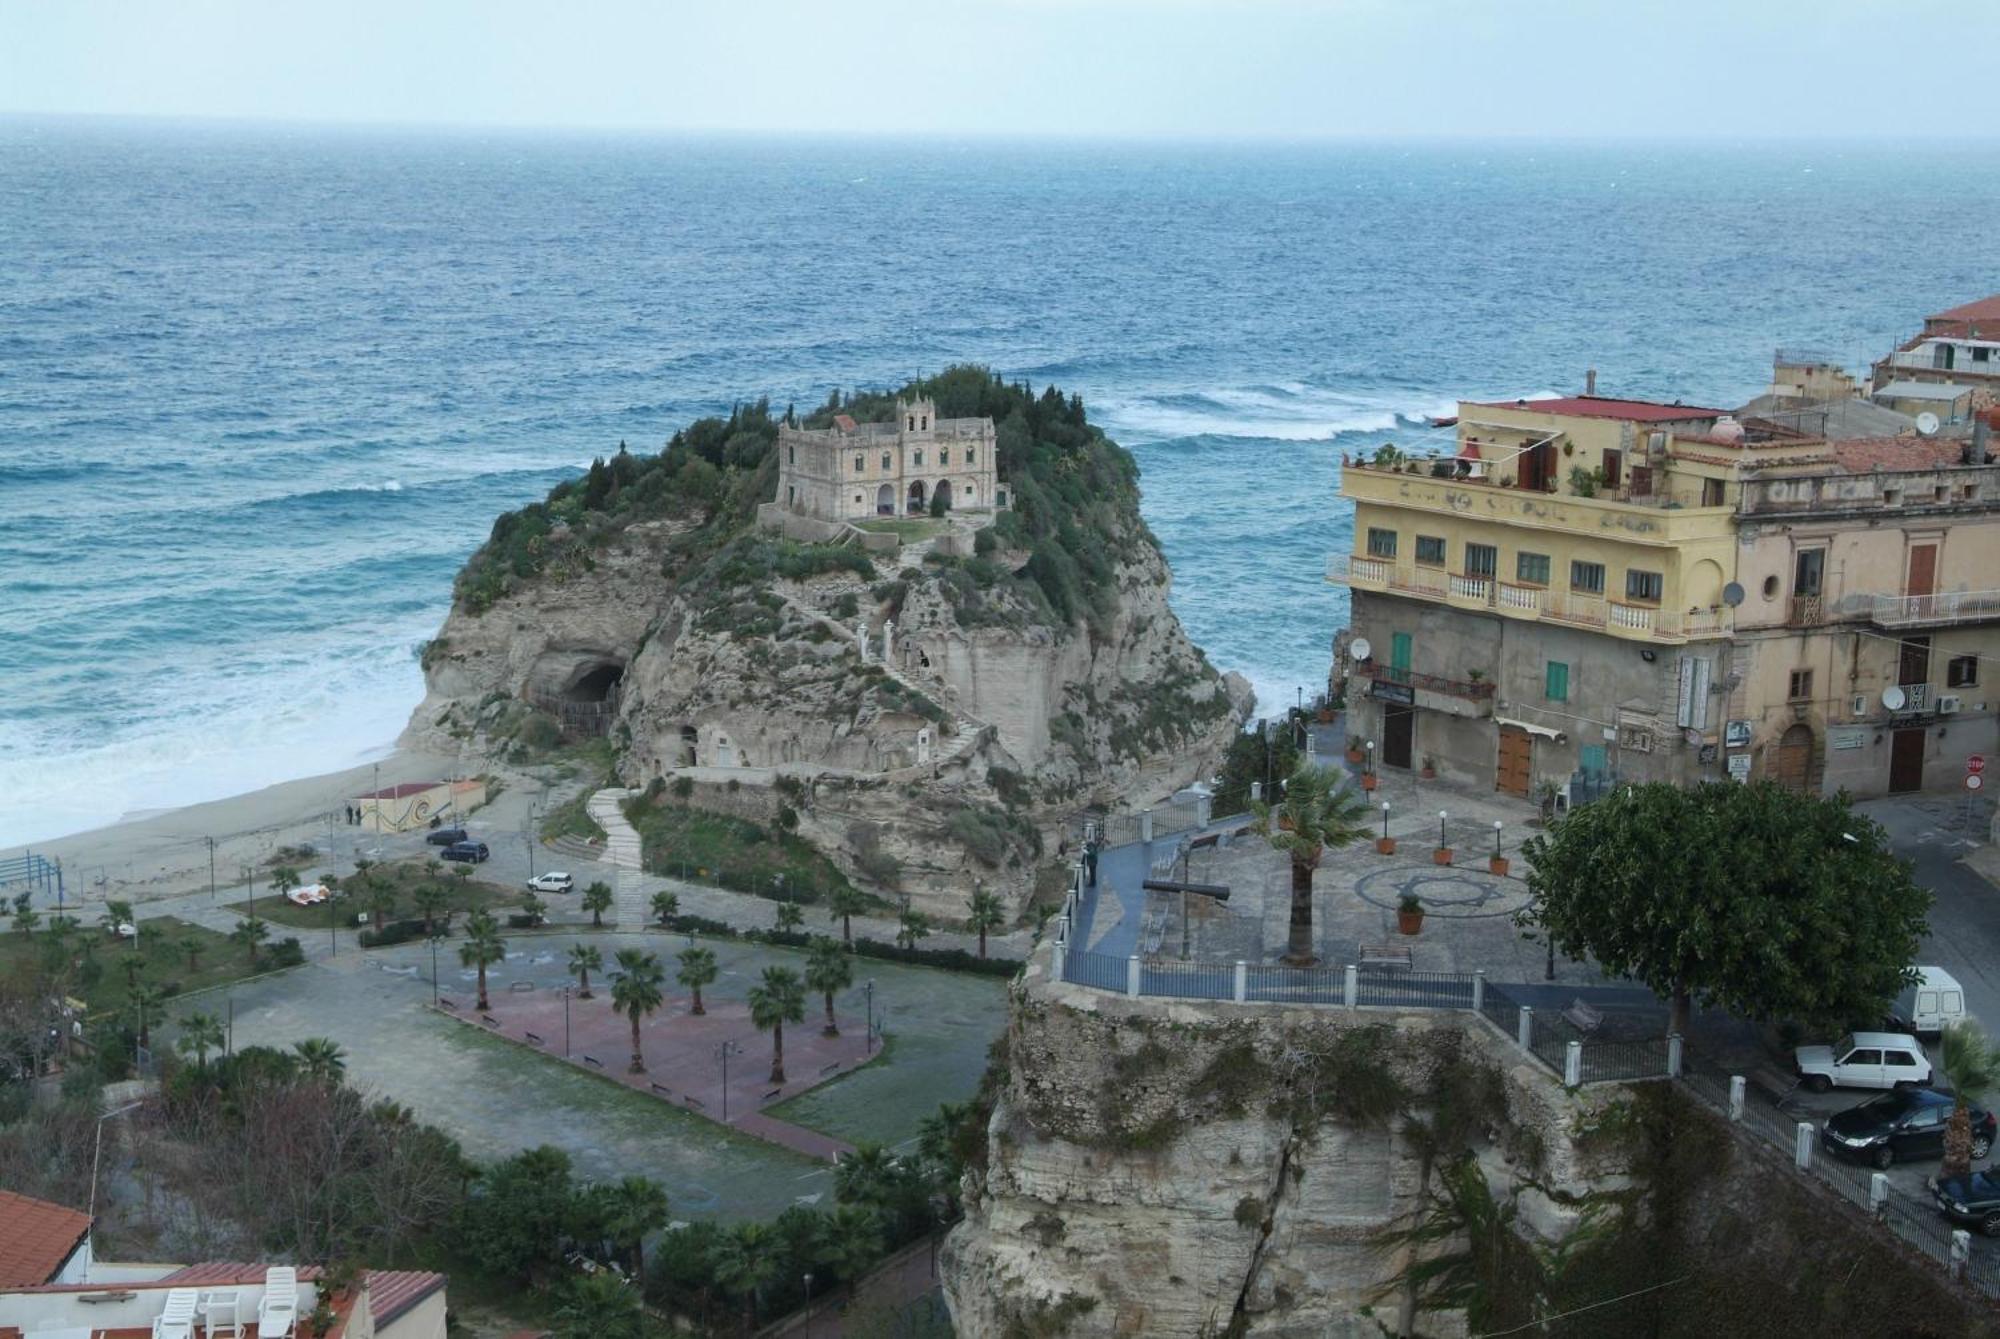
[1975, 764]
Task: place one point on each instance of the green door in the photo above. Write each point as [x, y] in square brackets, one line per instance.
[1399, 656]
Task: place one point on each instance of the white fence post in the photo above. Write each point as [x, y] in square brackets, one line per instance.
[1524, 1029]
[1132, 976]
[1673, 1055]
[1350, 987]
[1241, 992]
[1060, 955]
[1573, 1064]
[1145, 825]
[1961, 1251]
[1802, 1146]
[1878, 1194]
[1479, 992]
[1736, 1089]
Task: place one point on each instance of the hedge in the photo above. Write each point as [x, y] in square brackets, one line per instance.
[395, 932]
[947, 959]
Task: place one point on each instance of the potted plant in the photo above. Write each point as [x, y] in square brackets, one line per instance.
[1354, 753]
[1496, 864]
[1430, 768]
[1369, 781]
[1410, 915]
[1385, 845]
[1475, 675]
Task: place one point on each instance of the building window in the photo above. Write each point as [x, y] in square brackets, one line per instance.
[1481, 560]
[1555, 682]
[1614, 469]
[1532, 569]
[1430, 550]
[1801, 686]
[913, 423]
[860, 463]
[1961, 672]
[1711, 493]
[1807, 571]
[1381, 543]
[944, 455]
[917, 457]
[791, 494]
[885, 460]
[972, 455]
[1587, 578]
[1981, 353]
[1940, 493]
[1891, 496]
[791, 455]
[1646, 587]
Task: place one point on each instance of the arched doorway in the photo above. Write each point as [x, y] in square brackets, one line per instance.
[1792, 762]
[943, 493]
[885, 500]
[917, 495]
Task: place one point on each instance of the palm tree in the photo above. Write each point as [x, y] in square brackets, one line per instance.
[635, 992]
[534, 909]
[913, 927]
[778, 999]
[744, 1263]
[25, 915]
[1970, 1064]
[666, 906]
[599, 1306]
[635, 1206]
[482, 948]
[867, 1176]
[284, 878]
[145, 999]
[596, 901]
[828, 969]
[115, 915]
[381, 895]
[852, 1243]
[321, 1060]
[790, 916]
[248, 934]
[432, 901]
[583, 960]
[200, 1034]
[1318, 812]
[190, 944]
[987, 914]
[846, 902]
[697, 969]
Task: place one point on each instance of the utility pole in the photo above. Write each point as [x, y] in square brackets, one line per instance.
[211, 869]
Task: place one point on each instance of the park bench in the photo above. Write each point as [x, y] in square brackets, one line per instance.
[770, 1095]
[1385, 955]
[1584, 1018]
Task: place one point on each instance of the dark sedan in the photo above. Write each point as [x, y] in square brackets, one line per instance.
[445, 836]
[1899, 1126]
[1973, 1200]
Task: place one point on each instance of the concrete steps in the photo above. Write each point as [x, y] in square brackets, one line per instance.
[623, 851]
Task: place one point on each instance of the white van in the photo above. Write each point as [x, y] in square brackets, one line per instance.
[1934, 1003]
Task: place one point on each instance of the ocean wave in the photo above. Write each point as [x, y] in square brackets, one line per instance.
[1276, 411]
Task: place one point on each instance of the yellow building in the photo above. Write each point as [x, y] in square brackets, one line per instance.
[1558, 601]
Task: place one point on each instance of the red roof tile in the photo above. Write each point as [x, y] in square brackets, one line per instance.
[845, 422]
[225, 1274]
[398, 792]
[1599, 406]
[1862, 454]
[1986, 309]
[391, 1292]
[36, 1237]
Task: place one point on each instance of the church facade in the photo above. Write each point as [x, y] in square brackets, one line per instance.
[859, 471]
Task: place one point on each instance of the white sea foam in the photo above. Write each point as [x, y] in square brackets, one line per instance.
[1284, 411]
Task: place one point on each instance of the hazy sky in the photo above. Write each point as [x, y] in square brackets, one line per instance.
[1285, 68]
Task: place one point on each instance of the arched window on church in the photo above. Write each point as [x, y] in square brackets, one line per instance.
[917, 457]
[944, 455]
[858, 463]
[791, 455]
[972, 455]
[885, 460]
[913, 423]
[926, 423]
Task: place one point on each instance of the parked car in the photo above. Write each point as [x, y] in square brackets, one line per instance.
[1973, 1200]
[1864, 1060]
[1899, 1126]
[552, 882]
[445, 836]
[1932, 1005]
[466, 853]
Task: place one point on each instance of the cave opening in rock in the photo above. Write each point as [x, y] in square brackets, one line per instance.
[596, 683]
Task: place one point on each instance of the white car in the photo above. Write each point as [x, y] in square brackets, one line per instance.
[553, 882]
[1864, 1060]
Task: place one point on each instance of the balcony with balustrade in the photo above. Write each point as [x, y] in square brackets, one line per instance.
[1433, 692]
[1593, 613]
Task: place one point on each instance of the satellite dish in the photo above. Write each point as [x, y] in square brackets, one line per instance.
[1893, 698]
[1360, 649]
[1927, 424]
[1732, 594]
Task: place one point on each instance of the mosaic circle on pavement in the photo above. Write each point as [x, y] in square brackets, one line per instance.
[1447, 892]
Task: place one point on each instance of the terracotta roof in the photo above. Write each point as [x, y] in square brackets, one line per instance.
[1986, 309]
[398, 792]
[1599, 406]
[845, 422]
[391, 1292]
[1862, 454]
[36, 1237]
[225, 1274]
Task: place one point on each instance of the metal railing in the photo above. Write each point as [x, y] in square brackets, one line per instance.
[1431, 683]
[1962, 606]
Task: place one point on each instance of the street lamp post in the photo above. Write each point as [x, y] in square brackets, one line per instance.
[869, 1034]
[97, 1148]
[566, 994]
[433, 937]
[1385, 820]
[809, 1302]
[211, 869]
[722, 1053]
[1496, 839]
[1442, 843]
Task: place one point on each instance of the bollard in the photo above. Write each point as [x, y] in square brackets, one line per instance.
[1350, 987]
[1961, 1251]
[1878, 1194]
[1256, 792]
[1673, 1055]
[1242, 985]
[1802, 1146]
[1479, 992]
[1132, 976]
[1524, 1030]
[1573, 1064]
[1736, 1088]
[1145, 825]
[1061, 954]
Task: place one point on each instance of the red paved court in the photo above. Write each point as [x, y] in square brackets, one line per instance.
[683, 1054]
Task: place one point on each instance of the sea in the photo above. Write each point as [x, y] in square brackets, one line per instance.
[263, 388]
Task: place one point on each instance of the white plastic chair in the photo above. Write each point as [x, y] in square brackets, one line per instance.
[222, 1313]
[176, 1318]
[279, 1309]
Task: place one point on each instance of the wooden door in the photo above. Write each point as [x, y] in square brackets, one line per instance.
[1399, 735]
[1516, 753]
[1921, 583]
[1913, 661]
[1792, 763]
[1906, 761]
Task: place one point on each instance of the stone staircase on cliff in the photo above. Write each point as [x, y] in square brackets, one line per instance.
[623, 851]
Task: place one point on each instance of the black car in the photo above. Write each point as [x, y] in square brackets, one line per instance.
[1973, 1200]
[466, 853]
[446, 837]
[1907, 1123]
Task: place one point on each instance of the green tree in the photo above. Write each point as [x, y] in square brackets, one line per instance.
[1262, 756]
[1317, 813]
[666, 906]
[846, 902]
[190, 944]
[321, 1061]
[432, 903]
[380, 900]
[1970, 1065]
[779, 998]
[115, 915]
[912, 927]
[868, 1176]
[599, 1306]
[482, 948]
[534, 908]
[516, 1220]
[635, 1206]
[790, 916]
[200, 1034]
[829, 968]
[25, 915]
[745, 1262]
[1752, 898]
[697, 969]
[284, 878]
[145, 1000]
[597, 900]
[851, 1243]
[583, 960]
[636, 992]
[248, 934]
[987, 914]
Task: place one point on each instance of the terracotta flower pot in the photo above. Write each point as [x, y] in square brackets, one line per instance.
[1442, 855]
[1385, 845]
[1497, 864]
[1354, 755]
[1409, 922]
[1429, 773]
[1370, 781]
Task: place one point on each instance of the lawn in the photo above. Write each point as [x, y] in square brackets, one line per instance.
[905, 530]
[405, 876]
[731, 853]
[102, 980]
